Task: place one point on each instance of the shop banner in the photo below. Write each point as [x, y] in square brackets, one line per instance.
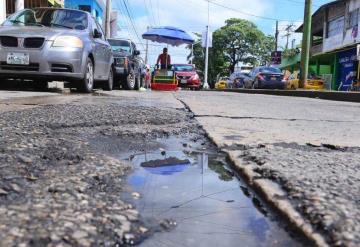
[347, 70]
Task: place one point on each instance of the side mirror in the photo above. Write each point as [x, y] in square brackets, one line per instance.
[97, 34]
[136, 53]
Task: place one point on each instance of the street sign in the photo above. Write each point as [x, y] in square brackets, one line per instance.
[276, 57]
[203, 39]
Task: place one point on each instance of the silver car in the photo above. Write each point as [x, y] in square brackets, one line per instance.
[48, 44]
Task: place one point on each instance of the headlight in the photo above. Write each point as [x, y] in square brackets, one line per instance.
[68, 41]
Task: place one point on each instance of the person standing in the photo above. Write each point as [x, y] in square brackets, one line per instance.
[164, 59]
[147, 78]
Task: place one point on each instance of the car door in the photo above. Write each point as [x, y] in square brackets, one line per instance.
[107, 52]
[136, 59]
[248, 79]
[99, 51]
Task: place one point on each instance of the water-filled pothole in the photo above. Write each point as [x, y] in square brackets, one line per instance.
[190, 185]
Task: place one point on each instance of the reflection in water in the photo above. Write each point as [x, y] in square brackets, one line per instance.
[205, 200]
[219, 167]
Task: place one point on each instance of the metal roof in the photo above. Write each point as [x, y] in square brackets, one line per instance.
[323, 7]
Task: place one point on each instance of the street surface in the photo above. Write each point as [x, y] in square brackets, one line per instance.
[66, 176]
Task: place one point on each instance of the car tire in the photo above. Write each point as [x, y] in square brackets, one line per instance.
[253, 85]
[137, 82]
[86, 85]
[109, 84]
[130, 81]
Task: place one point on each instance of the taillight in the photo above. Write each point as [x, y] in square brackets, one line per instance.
[260, 77]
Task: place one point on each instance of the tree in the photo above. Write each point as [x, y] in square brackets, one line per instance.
[243, 42]
[238, 41]
[217, 62]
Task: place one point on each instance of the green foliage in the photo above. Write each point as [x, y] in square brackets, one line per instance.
[238, 41]
[290, 53]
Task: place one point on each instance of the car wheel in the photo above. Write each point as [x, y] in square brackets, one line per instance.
[87, 84]
[130, 81]
[253, 85]
[109, 84]
[137, 82]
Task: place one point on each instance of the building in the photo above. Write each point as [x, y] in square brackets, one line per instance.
[335, 38]
[95, 7]
[8, 7]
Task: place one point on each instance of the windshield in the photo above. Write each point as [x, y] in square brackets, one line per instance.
[58, 18]
[120, 45]
[184, 68]
[270, 70]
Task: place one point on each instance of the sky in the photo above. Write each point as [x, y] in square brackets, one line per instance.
[192, 16]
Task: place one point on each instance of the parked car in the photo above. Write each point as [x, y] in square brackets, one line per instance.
[222, 83]
[128, 64]
[187, 76]
[47, 44]
[265, 78]
[237, 79]
[312, 83]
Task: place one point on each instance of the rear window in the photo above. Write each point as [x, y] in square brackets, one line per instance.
[184, 68]
[120, 45]
[270, 70]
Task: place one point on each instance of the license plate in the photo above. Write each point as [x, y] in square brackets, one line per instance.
[18, 58]
[273, 78]
[183, 81]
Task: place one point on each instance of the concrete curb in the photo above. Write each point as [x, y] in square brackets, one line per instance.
[269, 192]
[325, 95]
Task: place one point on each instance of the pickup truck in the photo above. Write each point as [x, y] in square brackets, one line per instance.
[128, 71]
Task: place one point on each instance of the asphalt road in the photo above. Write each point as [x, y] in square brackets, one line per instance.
[302, 154]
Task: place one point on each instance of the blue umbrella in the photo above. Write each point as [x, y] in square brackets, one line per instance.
[168, 35]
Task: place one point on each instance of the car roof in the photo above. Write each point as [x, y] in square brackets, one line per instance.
[182, 64]
[123, 39]
[56, 8]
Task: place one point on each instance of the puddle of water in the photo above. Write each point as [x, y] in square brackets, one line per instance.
[204, 198]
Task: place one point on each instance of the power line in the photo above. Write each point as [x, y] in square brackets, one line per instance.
[152, 11]
[131, 20]
[245, 13]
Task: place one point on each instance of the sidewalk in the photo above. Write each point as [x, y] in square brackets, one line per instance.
[301, 154]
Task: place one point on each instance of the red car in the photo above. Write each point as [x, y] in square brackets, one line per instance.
[187, 76]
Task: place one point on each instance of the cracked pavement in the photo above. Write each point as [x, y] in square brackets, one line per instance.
[308, 147]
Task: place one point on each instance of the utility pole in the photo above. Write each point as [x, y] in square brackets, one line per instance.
[306, 42]
[147, 49]
[276, 35]
[2, 10]
[289, 30]
[108, 19]
[206, 84]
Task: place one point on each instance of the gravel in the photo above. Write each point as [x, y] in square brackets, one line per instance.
[56, 189]
[322, 182]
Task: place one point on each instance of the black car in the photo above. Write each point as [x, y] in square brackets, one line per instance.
[128, 64]
[265, 78]
[237, 79]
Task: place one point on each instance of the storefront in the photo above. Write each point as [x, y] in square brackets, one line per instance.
[95, 7]
[348, 69]
[10, 4]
